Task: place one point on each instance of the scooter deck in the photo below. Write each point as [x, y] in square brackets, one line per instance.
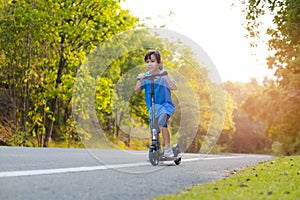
[163, 158]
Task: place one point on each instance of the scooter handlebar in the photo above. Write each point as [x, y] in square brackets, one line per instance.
[164, 73]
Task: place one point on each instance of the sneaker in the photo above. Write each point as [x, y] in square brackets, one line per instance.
[168, 152]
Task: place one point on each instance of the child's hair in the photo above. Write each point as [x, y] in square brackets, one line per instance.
[157, 56]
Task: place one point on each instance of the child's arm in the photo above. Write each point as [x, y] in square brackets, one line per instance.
[171, 82]
[138, 86]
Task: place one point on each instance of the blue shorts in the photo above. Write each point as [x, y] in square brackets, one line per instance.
[160, 121]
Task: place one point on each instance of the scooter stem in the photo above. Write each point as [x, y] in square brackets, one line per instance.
[154, 134]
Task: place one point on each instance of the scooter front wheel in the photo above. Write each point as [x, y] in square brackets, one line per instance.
[154, 157]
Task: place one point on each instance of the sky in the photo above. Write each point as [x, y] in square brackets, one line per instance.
[216, 26]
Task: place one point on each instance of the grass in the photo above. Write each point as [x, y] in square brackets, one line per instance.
[277, 179]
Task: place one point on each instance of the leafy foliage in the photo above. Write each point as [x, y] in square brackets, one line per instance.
[42, 45]
[278, 104]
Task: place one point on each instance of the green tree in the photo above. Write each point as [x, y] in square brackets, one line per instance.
[44, 43]
[279, 103]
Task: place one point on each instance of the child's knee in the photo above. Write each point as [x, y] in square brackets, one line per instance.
[163, 129]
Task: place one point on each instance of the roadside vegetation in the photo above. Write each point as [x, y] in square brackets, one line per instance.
[276, 179]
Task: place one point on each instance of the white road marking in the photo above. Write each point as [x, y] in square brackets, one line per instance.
[67, 170]
[94, 168]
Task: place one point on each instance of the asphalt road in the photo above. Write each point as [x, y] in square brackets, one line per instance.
[44, 173]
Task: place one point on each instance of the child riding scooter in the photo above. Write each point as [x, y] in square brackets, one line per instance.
[158, 85]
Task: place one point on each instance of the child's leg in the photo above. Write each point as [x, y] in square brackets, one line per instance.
[163, 126]
[166, 136]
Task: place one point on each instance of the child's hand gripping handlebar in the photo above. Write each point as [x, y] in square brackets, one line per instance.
[150, 76]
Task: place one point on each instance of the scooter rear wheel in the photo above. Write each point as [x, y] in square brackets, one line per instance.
[177, 161]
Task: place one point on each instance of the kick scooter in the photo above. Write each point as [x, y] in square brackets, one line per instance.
[155, 153]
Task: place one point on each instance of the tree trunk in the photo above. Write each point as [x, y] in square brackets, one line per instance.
[49, 123]
[14, 94]
[53, 102]
[26, 113]
[118, 124]
[26, 105]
